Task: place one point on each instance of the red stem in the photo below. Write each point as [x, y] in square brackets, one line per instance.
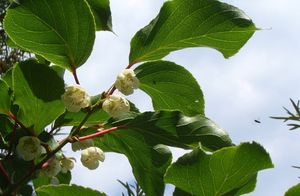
[12, 139]
[103, 132]
[5, 174]
[12, 116]
[75, 75]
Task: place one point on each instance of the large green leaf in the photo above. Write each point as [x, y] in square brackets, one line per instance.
[148, 160]
[61, 31]
[171, 87]
[37, 91]
[225, 172]
[102, 14]
[172, 128]
[66, 190]
[293, 191]
[5, 97]
[192, 23]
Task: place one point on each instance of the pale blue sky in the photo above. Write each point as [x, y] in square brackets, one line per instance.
[254, 84]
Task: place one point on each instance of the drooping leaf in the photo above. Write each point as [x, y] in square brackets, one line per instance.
[171, 87]
[5, 97]
[37, 91]
[172, 128]
[192, 23]
[293, 191]
[220, 173]
[62, 32]
[148, 160]
[66, 190]
[102, 14]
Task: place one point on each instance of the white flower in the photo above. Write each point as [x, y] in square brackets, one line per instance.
[66, 164]
[29, 148]
[75, 98]
[53, 168]
[81, 145]
[126, 82]
[90, 157]
[116, 106]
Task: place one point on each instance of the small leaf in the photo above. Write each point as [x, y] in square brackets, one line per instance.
[66, 190]
[148, 160]
[293, 191]
[175, 129]
[5, 97]
[171, 87]
[8, 78]
[102, 14]
[62, 32]
[74, 119]
[223, 172]
[37, 91]
[192, 23]
[63, 178]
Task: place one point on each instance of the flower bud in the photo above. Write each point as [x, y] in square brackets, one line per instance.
[66, 164]
[126, 82]
[81, 145]
[53, 168]
[29, 148]
[75, 98]
[116, 106]
[90, 157]
[54, 181]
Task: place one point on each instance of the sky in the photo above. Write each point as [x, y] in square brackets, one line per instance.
[252, 85]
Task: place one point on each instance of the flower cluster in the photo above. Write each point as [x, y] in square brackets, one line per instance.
[75, 98]
[91, 156]
[116, 106]
[126, 82]
[29, 148]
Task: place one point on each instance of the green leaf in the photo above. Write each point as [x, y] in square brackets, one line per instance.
[175, 129]
[220, 173]
[5, 97]
[102, 14]
[171, 87]
[148, 160]
[37, 91]
[66, 190]
[293, 191]
[192, 23]
[62, 32]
